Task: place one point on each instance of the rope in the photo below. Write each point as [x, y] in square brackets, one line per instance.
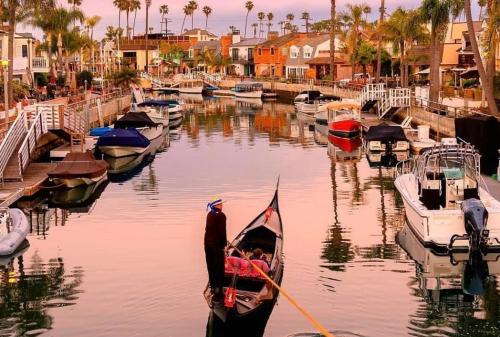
[315, 323]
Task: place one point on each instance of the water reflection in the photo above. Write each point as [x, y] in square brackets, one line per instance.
[28, 289]
[460, 292]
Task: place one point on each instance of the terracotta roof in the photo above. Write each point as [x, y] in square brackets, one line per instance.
[325, 60]
[196, 30]
[279, 41]
[313, 41]
[249, 42]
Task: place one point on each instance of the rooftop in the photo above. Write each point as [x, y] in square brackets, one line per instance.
[249, 42]
[199, 31]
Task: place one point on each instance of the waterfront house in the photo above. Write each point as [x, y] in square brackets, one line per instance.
[271, 56]
[242, 55]
[200, 35]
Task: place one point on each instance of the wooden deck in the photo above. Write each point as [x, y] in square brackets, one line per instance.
[33, 178]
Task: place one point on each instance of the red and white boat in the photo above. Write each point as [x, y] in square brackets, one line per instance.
[344, 120]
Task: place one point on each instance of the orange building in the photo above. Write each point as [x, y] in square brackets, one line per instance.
[270, 57]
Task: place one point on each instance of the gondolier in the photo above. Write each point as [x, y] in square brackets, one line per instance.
[215, 243]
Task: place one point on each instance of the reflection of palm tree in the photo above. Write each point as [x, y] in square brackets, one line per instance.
[24, 294]
[337, 250]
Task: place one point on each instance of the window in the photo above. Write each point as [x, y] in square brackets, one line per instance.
[24, 50]
[307, 52]
[234, 54]
[190, 53]
[260, 51]
[294, 52]
[250, 54]
[272, 51]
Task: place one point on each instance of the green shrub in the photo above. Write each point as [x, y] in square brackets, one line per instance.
[83, 76]
[41, 79]
[61, 80]
[470, 83]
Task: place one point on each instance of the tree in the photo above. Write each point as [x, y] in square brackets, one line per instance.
[270, 17]
[125, 78]
[366, 55]
[164, 11]
[261, 16]
[135, 5]
[487, 86]
[289, 24]
[187, 11]
[249, 6]
[355, 21]
[306, 17]
[194, 6]
[491, 38]
[403, 29]
[254, 26]
[207, 11]
[75, 3]
[379, 41]
[91, 22]
[120, 5]
[333, 24]
[84, 76]
[437, 13]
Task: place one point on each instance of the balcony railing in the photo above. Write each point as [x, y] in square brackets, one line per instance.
[40, 63]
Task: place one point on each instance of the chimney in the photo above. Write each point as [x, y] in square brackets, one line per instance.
[236, 37]
[272, 35]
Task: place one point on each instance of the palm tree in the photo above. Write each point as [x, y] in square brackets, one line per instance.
[91, 22]
[488, 89]
[355, 21]
[491, 37]
[282, 29]
[290, 17]
[194, 6]
[75, 3]
[126, 77]
[333, 24]
[437, 13]
[135, 6]
[148, 4]
[163, 11]
[403, 29]
[306, 17]
[120, 5]
[249, 6]
[207, 11]
[379, 41]
[254, 26]
[270, 17]
[261, 16]
[187, 11]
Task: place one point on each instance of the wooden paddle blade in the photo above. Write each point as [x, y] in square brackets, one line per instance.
[230, 298]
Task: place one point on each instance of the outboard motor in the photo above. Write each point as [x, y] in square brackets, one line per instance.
[475, 218]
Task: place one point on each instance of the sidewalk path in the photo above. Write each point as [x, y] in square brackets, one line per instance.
[493, 186]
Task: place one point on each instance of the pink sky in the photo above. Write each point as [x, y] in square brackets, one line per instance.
[225, 12]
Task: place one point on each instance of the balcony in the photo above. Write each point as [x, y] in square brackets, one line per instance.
[242, 60]
[40, 64]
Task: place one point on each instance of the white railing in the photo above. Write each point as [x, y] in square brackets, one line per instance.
[372, 92]
[404, 167]
[39, 63]
[394, 98]
[12, 139]
[37, 130]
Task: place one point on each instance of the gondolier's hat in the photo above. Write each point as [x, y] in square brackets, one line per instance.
[214, 202]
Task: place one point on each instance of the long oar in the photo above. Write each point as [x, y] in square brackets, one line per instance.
[317, 325]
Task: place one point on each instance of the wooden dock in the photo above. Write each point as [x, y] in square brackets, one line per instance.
[33, 178]
[368, 120]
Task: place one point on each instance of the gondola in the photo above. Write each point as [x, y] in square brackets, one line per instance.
[264, 232]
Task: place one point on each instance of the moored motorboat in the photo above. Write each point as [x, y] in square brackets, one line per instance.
[445, 205]
[344, 120]
[78, 168]
[142, 122]
[252, 291]
[14, 228]
[419, 138]
[345, 149]
[386, 138]
[248, 90]
[191, 87]
[122, 143]
[269, 94]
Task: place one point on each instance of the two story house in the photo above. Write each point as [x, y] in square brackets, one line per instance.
[242, 55]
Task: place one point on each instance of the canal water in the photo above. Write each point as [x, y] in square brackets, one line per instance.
[126, 259]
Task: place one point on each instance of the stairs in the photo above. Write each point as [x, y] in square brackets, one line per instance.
[390, 112]
[12, 172]
[77, 140]
[368, 105]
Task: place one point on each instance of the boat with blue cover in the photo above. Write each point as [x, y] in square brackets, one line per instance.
[142, 122]
[122, 142]
[98, 132]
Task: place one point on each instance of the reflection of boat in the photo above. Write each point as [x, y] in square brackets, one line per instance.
[21, 249]
[121, 172]
[269, 94]
[386, 138]
[443, 278]
[79, 168]
[140, 121]
[249, 102]
[383, 159]
[13, 230]
[192, 98]
[343, 149]
[320, 137]
[264, 232]
[344, 119]
[444, 203]
[77, 199]
[248, 90]
[122, 143]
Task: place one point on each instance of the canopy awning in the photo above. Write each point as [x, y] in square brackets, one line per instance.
[470, 73]
[423, 72]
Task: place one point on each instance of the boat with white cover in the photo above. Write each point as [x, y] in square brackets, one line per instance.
[14, 228]
[445, 205]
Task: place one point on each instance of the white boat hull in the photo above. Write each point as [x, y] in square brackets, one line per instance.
[396, 147]
[152, 132]
[19, 229]
[121, 151]
[436, 227]
[74, 182]
[159, 119]
[193, 90]
[249, 94]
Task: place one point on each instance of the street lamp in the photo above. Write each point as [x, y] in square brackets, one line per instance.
[5, 67]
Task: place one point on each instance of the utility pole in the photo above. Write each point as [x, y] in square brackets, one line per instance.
[148, 4]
